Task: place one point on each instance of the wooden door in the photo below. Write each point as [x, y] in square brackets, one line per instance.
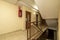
[28, 24]
[28, 20]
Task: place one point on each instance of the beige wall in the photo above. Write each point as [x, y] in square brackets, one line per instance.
[58, 34]
[33, 13]
[9, 20]
[48, 8]
[33, 17]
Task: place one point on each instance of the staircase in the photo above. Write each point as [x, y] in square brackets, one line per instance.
[40, 32]
[52, 23]
[38, 29]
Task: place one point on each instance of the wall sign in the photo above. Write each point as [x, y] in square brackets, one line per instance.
[19, 12]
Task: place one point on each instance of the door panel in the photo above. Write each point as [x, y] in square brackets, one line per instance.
[28, 24]
[28, 20]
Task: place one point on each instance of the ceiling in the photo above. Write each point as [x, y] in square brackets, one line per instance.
[30, 3]
[48, 8]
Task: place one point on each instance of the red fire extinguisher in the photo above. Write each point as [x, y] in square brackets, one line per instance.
[19, 12]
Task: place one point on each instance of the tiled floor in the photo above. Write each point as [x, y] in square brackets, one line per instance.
[19, 35]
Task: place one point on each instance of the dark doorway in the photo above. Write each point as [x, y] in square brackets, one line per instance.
[37, 20]
[50, 34]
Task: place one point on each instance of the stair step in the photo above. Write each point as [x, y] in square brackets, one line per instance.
[48, 39]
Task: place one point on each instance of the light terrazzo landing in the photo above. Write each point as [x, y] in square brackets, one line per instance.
[19, 35]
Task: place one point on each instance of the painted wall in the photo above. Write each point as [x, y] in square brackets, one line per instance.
[58, 34]
[33, 13]
[48, 8]
[9, 20]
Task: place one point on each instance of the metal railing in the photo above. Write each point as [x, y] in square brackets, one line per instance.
[34, 29]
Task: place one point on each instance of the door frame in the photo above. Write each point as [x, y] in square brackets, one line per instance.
[28, 28]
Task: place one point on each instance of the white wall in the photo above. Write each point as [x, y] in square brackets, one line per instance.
[9, 20]
[48, 8]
